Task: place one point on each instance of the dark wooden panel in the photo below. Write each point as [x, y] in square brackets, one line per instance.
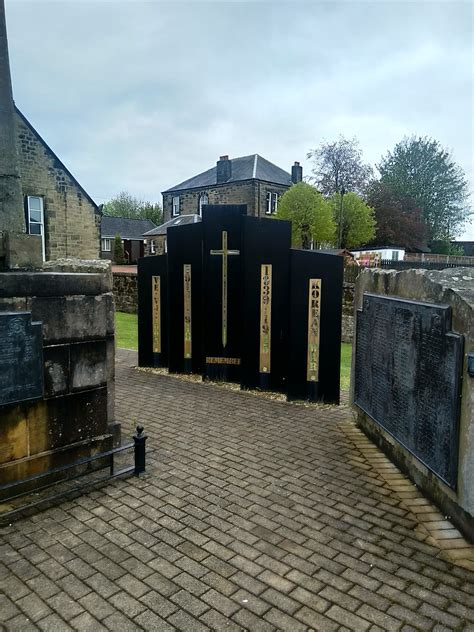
[149, 267]
[306, 265]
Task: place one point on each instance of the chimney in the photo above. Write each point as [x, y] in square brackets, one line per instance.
[11, 200]
[224, 169]
[296, 173]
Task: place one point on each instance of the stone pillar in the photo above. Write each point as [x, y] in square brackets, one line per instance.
[16, 249]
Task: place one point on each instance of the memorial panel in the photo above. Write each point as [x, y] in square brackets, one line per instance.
[21, 358]
[265, 284]
[185, 298]
[315, 326]
[222, 293]
[152, 285]
[408, 377]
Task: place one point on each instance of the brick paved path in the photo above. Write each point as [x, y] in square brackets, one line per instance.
[254, 514]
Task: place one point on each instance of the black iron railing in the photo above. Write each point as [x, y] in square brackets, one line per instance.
[104, 460]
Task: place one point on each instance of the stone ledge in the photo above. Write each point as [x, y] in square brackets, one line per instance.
[48, 284]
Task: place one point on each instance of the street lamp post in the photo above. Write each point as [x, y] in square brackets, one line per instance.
[341, 215]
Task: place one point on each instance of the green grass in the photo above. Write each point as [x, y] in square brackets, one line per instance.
[346, 355]
[127, 338]
[126, 331]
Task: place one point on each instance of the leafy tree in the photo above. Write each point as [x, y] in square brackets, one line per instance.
[358, 221]
[339, 164]
[310, 215]
[446, 248]
[119, 257]
[399, 219]
[126, 205]
[421, 169]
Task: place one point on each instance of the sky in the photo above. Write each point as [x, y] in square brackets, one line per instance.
[139, 96]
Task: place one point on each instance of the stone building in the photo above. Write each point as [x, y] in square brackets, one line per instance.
[57, 208]
[250, 180]
[131, 233]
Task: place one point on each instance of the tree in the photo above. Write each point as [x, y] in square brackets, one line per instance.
[119, 257]
[358, 221]
[399, 219]
[421, 169]
[339, 164]
[126, 205]
[310, 215]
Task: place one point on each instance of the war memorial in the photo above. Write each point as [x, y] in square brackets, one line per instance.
[272, 507]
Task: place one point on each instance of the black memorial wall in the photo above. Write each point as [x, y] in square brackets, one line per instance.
[235, 303]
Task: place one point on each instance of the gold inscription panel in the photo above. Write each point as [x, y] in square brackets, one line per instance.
[187, 310]
[314, 323]
[156, 312]
[210, 360]
[265, 317]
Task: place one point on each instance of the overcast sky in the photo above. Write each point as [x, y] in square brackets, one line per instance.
[140, 96]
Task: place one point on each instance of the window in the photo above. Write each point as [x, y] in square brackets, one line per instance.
[176, 205]
[106, 244]
[152, 247]
[395, 255]
[35, 218]
[271, 203]
[203, 199]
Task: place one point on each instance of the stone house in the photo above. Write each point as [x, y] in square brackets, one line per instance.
[130, 232]
[250, 180]
[155, 239]
[57, 208]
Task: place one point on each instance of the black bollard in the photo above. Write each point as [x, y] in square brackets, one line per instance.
[139, 440]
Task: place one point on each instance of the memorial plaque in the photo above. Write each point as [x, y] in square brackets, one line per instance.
[185, 298]
[265, 299]
[21, 358]
[152, 285]
[315, 326]
[222, 232]
[408, 377]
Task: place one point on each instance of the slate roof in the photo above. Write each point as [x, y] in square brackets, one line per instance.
[126, 228]
[252, 167]
[175, 221]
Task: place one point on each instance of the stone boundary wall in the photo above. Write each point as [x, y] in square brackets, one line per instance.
[348, 292]
[125, 292]
[453, 287]
[75, 417]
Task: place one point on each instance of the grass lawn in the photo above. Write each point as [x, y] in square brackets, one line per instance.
[127, 338]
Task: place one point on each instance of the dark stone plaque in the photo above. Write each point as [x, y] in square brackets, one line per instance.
[185, 298]
[153, 311]
[315, 326]
[408, 377]
[21, 358]
[265, 284]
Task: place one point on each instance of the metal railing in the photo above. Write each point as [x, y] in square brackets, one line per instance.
[138, 467]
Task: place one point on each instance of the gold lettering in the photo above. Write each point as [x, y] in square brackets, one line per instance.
[265, 317]
[187, 311]
[156, 312]
[314, 323]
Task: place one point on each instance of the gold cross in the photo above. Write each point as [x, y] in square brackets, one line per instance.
[224, 253]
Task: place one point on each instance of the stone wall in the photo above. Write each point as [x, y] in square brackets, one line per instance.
[125, 292]
[75, 418]
[250, 192]
[71, 218]
[453, 287]
[348, 312]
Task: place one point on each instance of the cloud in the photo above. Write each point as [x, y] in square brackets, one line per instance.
[142, 95]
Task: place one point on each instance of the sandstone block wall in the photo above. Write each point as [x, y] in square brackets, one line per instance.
[125, 292]
[75, 418]
[453, 287]
[348, 312]
[71, 219]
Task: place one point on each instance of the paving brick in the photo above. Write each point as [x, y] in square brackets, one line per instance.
[185, 622]
[283, 622]
[85, 623]
[276, 581]
[348, 619]
[316, 620]
[381, 619]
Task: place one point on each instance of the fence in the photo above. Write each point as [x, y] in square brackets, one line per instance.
[351, 272]
[102, 460]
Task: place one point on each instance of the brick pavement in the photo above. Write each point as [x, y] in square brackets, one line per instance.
[254, 514]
